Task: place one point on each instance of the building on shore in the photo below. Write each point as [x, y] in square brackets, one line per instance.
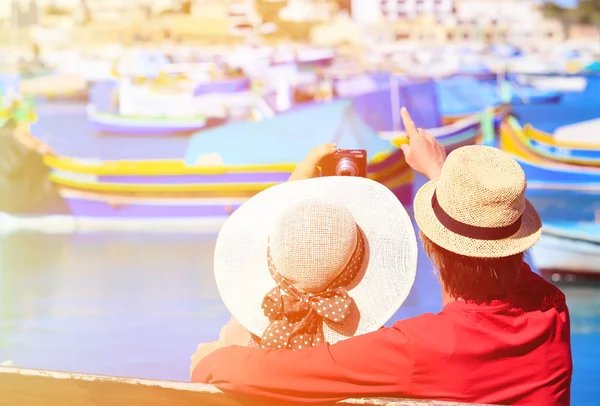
[375, 10]
[513, 21]
[438, 22]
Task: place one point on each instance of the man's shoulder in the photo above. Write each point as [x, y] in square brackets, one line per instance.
[426, 324]
[534, 293]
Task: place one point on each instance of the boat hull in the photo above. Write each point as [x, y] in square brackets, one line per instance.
[564, 205]
[112, 207]
[543, 173]
[153, 187]
[574, 153]
[117, 124]
[563, 255]
[550, 98]
[167, 189]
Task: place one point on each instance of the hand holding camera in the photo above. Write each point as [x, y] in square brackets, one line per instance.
[308, 168]
[423, 154]
[333, 162]
[345, 162]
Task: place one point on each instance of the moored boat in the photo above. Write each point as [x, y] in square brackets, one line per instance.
[224, 166]
[559, 148]
[569, 247]
[556, 83]
[544, 173]
[461, 97]
[112, 122]
[584, 134]
[181, 99]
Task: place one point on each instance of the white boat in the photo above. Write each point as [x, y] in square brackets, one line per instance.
[585, 132]
[569, 248]
[554, 83]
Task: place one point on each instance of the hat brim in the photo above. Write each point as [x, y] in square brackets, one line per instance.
[521, 241]
[240, 262]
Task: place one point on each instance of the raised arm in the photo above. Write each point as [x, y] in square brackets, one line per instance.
[371, 365]
[423, 153]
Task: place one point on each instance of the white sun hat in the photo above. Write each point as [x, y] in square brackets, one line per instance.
[325, 258]
[477, 207]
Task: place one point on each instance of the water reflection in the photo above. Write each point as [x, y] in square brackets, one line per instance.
[121, 304]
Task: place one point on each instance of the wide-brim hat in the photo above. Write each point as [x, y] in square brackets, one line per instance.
[389, 268]
[477, 207]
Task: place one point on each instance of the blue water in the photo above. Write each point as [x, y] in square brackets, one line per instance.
[138, 304]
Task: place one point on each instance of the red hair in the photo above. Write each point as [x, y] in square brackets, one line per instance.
[478, 280]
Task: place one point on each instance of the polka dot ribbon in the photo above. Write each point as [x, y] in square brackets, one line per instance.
[297, 317]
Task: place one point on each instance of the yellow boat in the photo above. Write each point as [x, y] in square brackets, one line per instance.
[576, 153]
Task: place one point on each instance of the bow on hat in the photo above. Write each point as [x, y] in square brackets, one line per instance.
[296, 317]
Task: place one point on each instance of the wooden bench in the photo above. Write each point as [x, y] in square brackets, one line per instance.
[30, 387]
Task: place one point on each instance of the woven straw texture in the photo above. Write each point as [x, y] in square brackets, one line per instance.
[312, 242]
[479, 186]
[311, 226]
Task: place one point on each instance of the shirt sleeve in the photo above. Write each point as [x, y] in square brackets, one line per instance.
[370, 365]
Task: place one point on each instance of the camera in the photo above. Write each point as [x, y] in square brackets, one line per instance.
[345, 162]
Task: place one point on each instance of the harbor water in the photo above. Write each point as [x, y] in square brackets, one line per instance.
[135, 304]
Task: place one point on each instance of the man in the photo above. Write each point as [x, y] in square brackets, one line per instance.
[502, 337]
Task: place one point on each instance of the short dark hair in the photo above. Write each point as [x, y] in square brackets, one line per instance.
[478, 280]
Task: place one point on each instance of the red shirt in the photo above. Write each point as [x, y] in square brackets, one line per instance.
[514, 351]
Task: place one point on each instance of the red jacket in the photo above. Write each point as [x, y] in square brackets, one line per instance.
[514, 351]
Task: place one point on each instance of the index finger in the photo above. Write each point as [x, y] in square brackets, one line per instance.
[409, 125]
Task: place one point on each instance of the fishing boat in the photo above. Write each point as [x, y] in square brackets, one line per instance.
[224, 166]
[544, 173]
[463, 96]
[112, 122]
[564, 146]
[20, 386]
[569, 247]
[556, 83]
[208, 188]
[183, 98]
[585, 134]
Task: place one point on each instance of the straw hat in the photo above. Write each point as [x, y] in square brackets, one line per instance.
[340, 248]
[477, 206]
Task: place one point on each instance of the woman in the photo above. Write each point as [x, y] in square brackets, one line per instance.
[318, 260]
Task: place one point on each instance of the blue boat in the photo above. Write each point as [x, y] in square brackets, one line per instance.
[574, 107]
[462, 96]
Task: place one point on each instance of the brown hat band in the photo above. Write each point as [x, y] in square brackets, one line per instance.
[469, 231]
